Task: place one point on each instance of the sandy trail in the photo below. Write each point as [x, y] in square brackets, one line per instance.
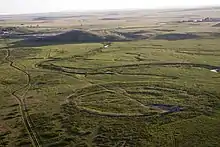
[21, 101]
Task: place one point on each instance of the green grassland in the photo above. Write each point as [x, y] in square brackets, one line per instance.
[136, 93]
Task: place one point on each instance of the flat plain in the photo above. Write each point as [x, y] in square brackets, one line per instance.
[110, 79]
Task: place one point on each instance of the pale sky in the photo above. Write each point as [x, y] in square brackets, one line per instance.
[37, 6]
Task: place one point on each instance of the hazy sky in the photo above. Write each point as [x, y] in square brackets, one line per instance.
[35, 6]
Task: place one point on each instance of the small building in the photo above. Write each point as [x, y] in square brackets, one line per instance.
[5, 33]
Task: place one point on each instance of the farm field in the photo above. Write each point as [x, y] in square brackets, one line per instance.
[108, 83]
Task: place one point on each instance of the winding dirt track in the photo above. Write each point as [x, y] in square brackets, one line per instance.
[21, 101]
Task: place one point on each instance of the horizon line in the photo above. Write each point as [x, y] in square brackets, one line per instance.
[109, 10]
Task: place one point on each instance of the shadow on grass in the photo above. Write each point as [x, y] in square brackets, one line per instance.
[74, 36]
[78, 36]
[176, 36]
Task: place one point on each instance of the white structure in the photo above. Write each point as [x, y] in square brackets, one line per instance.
[106, 46]
[5, 33]
[215, 70]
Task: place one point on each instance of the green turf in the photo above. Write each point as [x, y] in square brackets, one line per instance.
[87, 97]
[136, 93]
